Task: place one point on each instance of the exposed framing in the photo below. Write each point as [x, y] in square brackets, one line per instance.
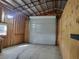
[55, 7]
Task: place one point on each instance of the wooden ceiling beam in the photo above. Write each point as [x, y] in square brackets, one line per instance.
[41, 7]
[30, 3]
[28, 7]
[57, 9]
[20, 5]
[47, 4]
[12, 6]
[8, 3]
[35, 6]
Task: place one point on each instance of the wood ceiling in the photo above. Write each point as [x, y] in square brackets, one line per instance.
[35, 7]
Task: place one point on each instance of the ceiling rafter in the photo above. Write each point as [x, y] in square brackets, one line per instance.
[53, 3]
[28, 7]
[13, 7]
[21, 6]
[24, 5]
[47, 5]
[31, 6]
[55, 6]
[41, 6]
[35, 6]
[8, 3]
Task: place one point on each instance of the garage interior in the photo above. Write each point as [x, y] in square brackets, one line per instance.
[39, 29]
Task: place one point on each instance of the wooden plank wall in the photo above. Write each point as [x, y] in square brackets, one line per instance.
[69, 24]
[16, 28]
[26, 40]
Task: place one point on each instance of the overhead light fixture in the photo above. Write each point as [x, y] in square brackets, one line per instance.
[9, 16]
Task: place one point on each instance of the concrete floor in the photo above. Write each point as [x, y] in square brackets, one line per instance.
[26, 50]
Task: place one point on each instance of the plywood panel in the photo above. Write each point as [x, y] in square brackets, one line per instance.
[68, 25]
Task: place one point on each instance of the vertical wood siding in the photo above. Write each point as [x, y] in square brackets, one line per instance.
[16, 28]
[27, 31]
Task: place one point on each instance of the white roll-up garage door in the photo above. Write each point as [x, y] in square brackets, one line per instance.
[42, 29]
